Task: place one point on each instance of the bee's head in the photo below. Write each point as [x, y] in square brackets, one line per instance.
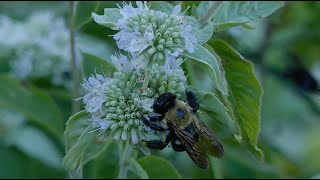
[164, 103]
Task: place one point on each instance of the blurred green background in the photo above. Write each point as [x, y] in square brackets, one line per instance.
[33, 110]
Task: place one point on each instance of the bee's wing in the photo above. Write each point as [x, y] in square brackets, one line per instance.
[207, 139]
[195, 152]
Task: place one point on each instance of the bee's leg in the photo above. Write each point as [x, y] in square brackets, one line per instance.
[155, 117]
[177, 147]
[152, 125]
[192, 101]
[158, 144]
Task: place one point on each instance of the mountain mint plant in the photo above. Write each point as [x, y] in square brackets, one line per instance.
[158, 45]
[37, 44]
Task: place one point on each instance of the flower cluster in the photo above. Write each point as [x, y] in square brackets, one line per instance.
[116, 104]
[154, 42]
[37, 44]
[158, 34]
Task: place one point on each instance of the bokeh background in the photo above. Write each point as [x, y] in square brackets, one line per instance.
[35, 93]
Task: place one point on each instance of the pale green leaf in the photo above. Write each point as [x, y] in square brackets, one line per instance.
[82, 145]
[84, 10]
[157, 167]
[9, 121]
[17, 165]
[213, 107]
[75, 127]
[205, 34]
[96, 55]
[33, 103]
[245, 91]
[92, 64]
[235, 13]
[202, 8]
[102, 49]
[105, 166]
[206, 61]
[110, 17]
[136, 168]
[36, 144]
[143, 149]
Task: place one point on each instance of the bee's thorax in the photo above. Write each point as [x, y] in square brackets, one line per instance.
[180, 114]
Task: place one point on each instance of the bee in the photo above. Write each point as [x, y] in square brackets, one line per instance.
[186, 131]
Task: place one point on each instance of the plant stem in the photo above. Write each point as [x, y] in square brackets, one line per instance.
[77, 174]
[124, 161]
[75, 74]
[210, 12]
[215, 167]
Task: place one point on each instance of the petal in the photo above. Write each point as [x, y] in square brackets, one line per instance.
[134, 136]
[176, 10]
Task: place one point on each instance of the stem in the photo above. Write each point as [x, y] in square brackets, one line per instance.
[75, 74]
[215, 167]
[124, 161]
[77, 174]
[210, 12]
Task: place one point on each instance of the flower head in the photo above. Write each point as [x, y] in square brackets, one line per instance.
[36, 45]
[117, 104]
[159, 34]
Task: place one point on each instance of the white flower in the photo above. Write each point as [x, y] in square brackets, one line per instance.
[95, 98]
[122, 62]
[22, 66]
[154, 32]
[37, 44]
[171, 63]
[98, 123]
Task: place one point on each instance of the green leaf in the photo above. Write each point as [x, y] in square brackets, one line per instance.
[81, 145]
[17, 165]
[94, 46]
[36, 144]
[245, 91]
[143, 149]
[83, 13]
[106, 165]
[235, 13]
[110, 17]
[206, 61]
[92, 64]
[205, 34]
[9, 121]
[96, 55]
[135, 167]
[33, 103]
[202, 8]
[75, 127]
[212, 106]
[162, 6]
[157, 167]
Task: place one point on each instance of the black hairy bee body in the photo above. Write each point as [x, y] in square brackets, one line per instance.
[186, 131]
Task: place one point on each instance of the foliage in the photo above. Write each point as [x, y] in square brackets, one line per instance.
[267, 124]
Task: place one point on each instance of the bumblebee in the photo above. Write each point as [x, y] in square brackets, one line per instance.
[186, 131]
